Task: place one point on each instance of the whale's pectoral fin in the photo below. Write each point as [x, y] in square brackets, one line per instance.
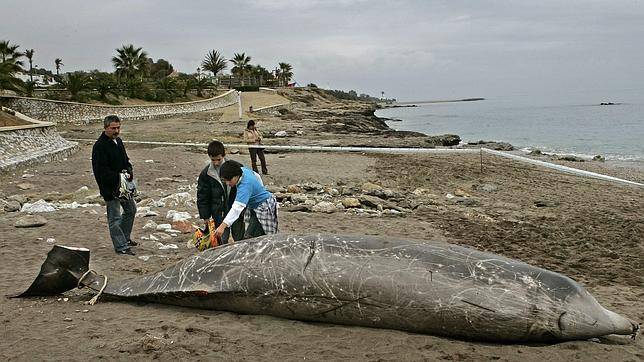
[59, 273]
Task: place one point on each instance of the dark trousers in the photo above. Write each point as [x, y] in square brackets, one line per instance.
[254, 153]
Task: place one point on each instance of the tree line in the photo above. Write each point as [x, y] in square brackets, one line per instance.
[135, 75]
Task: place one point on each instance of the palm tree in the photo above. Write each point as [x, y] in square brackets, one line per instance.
[285, 73]
[200, 85]
[76, 83]
[103, 83]
[214, 63]
[166, 90]
[29, 53]
[131, 62]
[9, 67]
[241, 62]
[8, 50]
[8, 79]
[59, 63]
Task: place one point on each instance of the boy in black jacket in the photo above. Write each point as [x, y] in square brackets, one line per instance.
[109, 160]
[214, 197]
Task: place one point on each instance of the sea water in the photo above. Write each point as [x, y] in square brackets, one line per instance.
[573, 123]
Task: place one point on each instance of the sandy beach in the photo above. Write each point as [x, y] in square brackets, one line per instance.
[587, 229]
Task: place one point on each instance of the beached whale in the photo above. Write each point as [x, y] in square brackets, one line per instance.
[417, 286]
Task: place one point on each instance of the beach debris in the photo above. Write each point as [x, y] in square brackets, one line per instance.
[161, 236]
[151, 237]
[27, 175]
[178, 215]
[50, 240]
[163, 246]
[281, 134]
[38, 206]
[29, 221]
[72, 205]
[185, 199]
[144, 257]
[149, 161]
[164, 227]
[150, 225]
[145, 211]
[83, 189]
[183, 226]
[599, 158]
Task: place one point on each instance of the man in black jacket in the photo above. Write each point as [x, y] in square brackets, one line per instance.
[214, 197]
[109, 160]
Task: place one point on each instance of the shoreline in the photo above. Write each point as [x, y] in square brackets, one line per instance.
[614, 159]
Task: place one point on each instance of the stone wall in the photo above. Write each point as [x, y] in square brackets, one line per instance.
[34, 143]
[59, 111]
[274, 109]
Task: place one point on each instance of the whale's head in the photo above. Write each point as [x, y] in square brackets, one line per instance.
[583, 317]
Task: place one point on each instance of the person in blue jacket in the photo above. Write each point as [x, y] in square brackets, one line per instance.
[261, 205]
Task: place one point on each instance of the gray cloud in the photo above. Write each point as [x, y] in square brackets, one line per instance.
[409, 49]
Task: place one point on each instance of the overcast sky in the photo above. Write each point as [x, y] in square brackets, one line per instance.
[411, 50]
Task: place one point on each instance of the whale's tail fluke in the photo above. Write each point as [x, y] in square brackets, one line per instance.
[60, 272]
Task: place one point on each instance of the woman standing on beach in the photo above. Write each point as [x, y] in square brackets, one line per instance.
[252, 136]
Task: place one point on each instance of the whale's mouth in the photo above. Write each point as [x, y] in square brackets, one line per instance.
[602, 322]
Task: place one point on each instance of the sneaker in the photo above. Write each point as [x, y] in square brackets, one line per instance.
[127, 251]
[132, 243]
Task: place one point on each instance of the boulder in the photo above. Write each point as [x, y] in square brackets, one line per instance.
[29, 221]
[351, 202]
[293, 189]
[369, 187]
[325, 207]
[25, 186]
[11, 206]
[443, 140]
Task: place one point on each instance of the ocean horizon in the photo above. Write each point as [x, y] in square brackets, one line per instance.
[572, 124]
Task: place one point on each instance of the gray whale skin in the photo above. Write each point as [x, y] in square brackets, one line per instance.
[416, 286]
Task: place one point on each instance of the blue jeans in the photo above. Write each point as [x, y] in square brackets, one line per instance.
[120, 225]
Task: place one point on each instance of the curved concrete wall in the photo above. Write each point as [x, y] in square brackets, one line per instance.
[61, 112]
[34, 143]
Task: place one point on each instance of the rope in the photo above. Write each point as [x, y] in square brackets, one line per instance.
[95, 298]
